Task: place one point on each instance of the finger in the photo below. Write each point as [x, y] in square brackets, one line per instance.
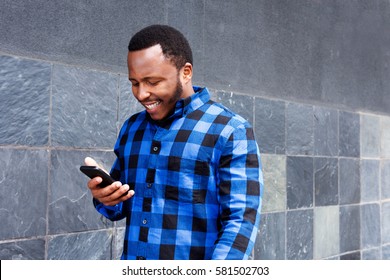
[121, 194]
[94, 182]
[90, 161]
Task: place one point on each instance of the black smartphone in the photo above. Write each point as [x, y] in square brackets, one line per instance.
[94, 171]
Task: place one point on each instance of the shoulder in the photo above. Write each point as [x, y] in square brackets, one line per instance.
[133, 123]
[225, 116]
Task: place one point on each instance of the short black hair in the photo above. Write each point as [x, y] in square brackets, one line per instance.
[173, 43]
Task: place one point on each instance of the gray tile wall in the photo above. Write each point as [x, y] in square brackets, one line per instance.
[326, 170]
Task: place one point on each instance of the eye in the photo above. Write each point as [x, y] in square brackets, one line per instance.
[153, 83]
[134, 84]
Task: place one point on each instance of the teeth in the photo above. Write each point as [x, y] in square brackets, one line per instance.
[152, 106]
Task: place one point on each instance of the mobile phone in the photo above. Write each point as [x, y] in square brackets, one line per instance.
[94, 171]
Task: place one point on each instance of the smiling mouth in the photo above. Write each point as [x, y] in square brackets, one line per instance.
[152, 106]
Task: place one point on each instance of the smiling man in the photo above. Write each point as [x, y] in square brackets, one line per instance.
[192, 166]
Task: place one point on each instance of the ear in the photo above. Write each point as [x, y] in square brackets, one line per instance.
[187, 72]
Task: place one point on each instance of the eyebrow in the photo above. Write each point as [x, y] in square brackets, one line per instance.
[145, 79]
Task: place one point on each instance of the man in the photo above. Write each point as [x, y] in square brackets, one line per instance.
[192, 166]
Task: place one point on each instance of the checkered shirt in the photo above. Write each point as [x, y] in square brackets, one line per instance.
[198, 183]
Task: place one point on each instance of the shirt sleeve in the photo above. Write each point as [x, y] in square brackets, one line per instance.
[240, 193]
[113, 213]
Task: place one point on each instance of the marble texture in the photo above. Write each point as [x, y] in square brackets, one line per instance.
[270, 125]
[369, 180]
[370, 226]
[349, 181]
[385, 137]
[351, 256]
[326, 188]
[299, 243]
[93, 245]
[24, 191]
[349, 134]
[118, 241]
[299, 182]
[371, 254]
[84, 108]
[33, 249]
[385, 179]
[349, 228]
[242, 105]
[370, 136]
[274, 172]
[70, 205]
[299, 129]
[271, 241]
[24, 101]
[326, 232]
[386, 252]
[385, 222]
[325, 131]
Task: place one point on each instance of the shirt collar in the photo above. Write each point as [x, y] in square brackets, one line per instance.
[187, 105]
[193, 102]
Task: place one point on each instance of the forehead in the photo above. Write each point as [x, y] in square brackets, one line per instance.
[147, 61]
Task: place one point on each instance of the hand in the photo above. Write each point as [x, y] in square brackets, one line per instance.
[110, 195]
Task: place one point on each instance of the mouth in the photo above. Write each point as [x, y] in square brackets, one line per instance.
[152, 106]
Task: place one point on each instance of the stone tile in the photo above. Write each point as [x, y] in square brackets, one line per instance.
[299, 129]
[370, 136]
[326, 188]
[385, 137]
[325, 131]
[270, 125]
[23, 250]
[84, 110]
[349, 171]
[326, 232]
[349, 228]
[349, 134]
[70, 207]
[94, 245]
[274, 172]
[24, 190]
[371, 254]
[270, 242]
[188, 17]
[385, 222]
[300, 235]
[370, 226]
[299, 182]
[118, 242]
[239, 104]
[351, 256]
[385, 179]
[128, 104]
[386, 252]
[24, 101]
[369, 179]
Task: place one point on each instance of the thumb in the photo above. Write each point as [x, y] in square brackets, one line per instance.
[90, 161]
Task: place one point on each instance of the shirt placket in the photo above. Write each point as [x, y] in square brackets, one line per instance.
[145, 218]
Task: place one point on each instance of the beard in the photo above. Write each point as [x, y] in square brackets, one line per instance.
[178, 92]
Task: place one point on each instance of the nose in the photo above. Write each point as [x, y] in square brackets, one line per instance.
[141, 93]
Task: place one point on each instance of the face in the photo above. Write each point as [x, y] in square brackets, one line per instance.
[156, 82]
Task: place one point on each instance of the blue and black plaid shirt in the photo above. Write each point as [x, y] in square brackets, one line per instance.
[197, 179]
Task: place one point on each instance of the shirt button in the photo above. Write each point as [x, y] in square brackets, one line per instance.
[155, 149]
[149, 185]
[145, 222]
